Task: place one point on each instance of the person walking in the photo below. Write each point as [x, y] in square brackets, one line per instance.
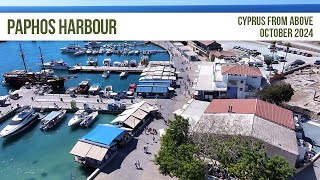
[138, 164]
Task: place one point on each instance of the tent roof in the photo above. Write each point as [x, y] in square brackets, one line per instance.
[97, 152]
[81, 149]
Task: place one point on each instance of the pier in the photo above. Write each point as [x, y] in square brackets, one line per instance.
[80, 68]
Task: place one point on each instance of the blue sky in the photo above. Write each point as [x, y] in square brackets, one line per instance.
[147, 2]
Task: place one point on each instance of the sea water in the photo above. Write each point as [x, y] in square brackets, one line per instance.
[34, 154]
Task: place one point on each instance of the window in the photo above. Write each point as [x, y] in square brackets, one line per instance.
[241, 82]
[241, 89]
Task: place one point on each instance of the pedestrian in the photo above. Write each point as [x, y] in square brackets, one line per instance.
[136, 164]
[139, 165]
[153, 138]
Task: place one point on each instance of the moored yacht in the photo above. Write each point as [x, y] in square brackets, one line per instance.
[56, 64]
[78, 117]
[106, 74]
[80, 52]
[92, 61]
[106, 62]
[91, 117]
[72, 48]
[20, 122]
[124, 74]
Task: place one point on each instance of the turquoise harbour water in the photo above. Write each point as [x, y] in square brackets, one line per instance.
[36, 155]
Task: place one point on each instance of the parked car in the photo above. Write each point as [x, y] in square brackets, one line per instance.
[298, 62]
[275, 61]
[317, 62]
[294, 52]
[309, 55]
[270, 68]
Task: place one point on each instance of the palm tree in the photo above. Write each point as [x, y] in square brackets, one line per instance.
[288, 45]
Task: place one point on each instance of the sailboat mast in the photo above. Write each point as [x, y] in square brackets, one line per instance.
[41, 57]
[22, 57]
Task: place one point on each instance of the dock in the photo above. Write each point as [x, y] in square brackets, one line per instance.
[113, 69]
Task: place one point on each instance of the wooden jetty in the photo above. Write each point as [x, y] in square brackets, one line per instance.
[80, 68]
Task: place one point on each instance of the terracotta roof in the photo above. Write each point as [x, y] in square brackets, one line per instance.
[207, 42]
[257, 107]
[241, 70]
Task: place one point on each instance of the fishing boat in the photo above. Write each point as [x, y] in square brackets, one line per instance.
[105, 74]
[20, 122]
[106, 62]
[52, 119]
[117, 64]
[136, 52]
[95, 89]
[101, 50]
[79, 52]
[108, 88]
[95, 52]
[124, 74]
[56, 64]
[133, 63]
[125, 63]
[91, 117]
[71, 48]
[19, 78]
[77, 118]
[83, 87]
[92, 61]
[109, 51]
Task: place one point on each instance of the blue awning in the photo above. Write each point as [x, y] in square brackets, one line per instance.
[104, 134]
[159, 89]
[144, 89]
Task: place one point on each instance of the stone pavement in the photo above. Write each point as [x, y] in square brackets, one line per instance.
[123, 166]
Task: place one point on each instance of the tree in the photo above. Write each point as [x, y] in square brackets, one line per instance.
[287, 45]
[73, 104]
[276, 93]
[176, 156]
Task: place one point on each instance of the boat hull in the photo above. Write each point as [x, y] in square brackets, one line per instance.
[21, 81]
[22, 128]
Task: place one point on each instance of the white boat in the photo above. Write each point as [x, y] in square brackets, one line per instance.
[133, 63]
[89, 51]
[101, 50]
[95, 52]
[80, 52]
[52, 119]
[92, 61]
[124, 74]
[78, 117]
[93, 44]
[117, 64]
[106, 62]
[56, 64]
[91, 117]
[20, 122]
[125, 63]
[107, 89]
[95, 89]
[109, 51]
[136, 52]
[72, 48]
[105, 74]
[131, 52]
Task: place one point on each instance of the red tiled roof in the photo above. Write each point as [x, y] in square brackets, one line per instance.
[241, 70]
[207, 42]
[258, 107]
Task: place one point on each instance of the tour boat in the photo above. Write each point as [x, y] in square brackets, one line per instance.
[20, 122]
[106, 74]
[124, 74]
[92, 61]
[72, 48]
[77, 118]
[52, 119]
[91, 117]
[106, 62]
[56, 64]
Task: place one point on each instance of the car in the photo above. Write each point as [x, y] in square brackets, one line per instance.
[298, 62]
[269, 68]
[275, 61]
[317, 62]
[300, 53]
[309, 55]
[273, 50]
[305, 54]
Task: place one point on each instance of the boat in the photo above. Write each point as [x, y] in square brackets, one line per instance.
[132, 87]
[131, 52]
[80, 52]
[144, 60]
[124, 74]
[93, 44]
[89, 51]
[71, 90]
[19, 78]
[20, 122]
[108, 88]
[71, 48]
[92, 61]
[136, 52]
[83, 87]
[95, 52]
[125, 63]
[109, 51]
[52, 119]
[144, 52]
[105, 74]
[117, 64]
[125, 51]
[95, 89]
[77, 118]
[133, 63]
[106, 62]
[101, 50]
[91, 117]
[56, 64]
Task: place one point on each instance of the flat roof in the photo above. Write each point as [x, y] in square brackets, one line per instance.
[205, 78]
[103, 134]
[194, 111]
[52, 115]
[184, 48]
[190, 53]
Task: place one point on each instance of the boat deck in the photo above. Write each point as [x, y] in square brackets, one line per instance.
[106, 68]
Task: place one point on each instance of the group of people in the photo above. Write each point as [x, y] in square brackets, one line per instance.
[137, 164]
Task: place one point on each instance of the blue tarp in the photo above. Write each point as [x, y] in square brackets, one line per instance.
[156, 81]
[144, 89]
[160, 89]
[155, 84]
[103, 134]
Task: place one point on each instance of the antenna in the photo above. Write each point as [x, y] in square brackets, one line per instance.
[22, 57]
